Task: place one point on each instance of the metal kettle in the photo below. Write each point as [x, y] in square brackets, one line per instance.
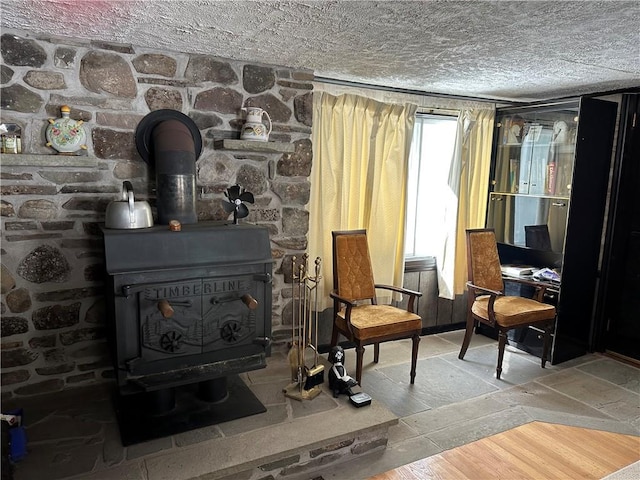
[127, 212]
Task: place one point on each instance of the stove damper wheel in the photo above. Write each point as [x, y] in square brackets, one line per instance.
[231, 331]
[171, 341]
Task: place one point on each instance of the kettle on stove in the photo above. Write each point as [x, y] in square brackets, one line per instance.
[128, 212]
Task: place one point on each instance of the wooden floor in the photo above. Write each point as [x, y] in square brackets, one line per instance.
[533, 451]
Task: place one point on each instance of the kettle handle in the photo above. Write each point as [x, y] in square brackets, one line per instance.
[264, 112]
[127, 194]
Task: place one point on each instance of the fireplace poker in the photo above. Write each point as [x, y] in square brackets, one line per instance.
[296, 345]
[315, 374]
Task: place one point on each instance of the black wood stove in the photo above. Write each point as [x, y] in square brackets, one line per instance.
[189, 310]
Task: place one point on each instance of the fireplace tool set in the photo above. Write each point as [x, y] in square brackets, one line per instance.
[304, 332]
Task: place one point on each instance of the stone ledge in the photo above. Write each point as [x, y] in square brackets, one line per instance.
[254, 146]
[57, 161]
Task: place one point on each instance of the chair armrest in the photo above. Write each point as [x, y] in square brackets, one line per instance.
[337, 299]
[487, 291]
[349, 303]
[493, 294]
[403, 290]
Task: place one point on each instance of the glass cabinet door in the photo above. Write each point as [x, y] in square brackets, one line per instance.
[534, 155]
[529, 221]
[535, 152]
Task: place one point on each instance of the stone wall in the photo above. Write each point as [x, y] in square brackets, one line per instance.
[53, 310]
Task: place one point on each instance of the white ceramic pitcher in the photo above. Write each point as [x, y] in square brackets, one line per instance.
[254, 129]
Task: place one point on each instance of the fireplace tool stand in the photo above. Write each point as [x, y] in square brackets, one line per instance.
[306, 380]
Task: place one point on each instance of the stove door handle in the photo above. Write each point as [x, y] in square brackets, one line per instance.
[165, 308]
[262, 341]
[263, 277]
[249, 301]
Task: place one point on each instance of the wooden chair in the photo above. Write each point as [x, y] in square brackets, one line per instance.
[357, 314]
[488, 304]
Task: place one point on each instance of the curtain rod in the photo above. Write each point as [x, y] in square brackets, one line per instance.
[347, 83]
[499, 103]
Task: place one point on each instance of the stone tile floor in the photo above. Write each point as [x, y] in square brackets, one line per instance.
[452, 403]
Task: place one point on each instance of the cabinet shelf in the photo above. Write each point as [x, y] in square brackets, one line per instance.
[253, 146]
[53, 160]
[561, 147]
[531, 195]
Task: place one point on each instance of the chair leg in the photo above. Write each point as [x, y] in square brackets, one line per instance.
[376, 352]
[359, 355]
[414, 356]
[334, 336]
[467, 336]
[502, 341]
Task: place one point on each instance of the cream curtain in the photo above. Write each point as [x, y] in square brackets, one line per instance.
[466, 202]
[358, 179]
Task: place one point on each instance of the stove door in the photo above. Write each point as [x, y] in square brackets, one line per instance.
[233, 312]
[171, 320]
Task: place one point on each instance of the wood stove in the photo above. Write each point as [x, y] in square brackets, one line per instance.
[188, 311]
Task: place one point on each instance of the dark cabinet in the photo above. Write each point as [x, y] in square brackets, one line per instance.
[549, 179]
[618, 313]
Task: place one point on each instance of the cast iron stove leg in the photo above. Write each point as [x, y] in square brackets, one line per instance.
[213, 391]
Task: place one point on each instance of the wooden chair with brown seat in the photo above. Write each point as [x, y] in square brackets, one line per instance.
[488, 304]
[357, 314]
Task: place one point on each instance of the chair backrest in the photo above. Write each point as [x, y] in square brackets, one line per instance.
[352, 271]
[483, 262]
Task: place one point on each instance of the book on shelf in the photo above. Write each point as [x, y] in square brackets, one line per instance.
[517, 270]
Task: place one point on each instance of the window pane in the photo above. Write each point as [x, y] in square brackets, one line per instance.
[429, 162]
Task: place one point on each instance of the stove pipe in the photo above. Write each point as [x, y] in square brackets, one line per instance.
[175, 161]
[174, 142]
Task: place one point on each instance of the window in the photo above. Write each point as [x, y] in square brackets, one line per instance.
[429, 162]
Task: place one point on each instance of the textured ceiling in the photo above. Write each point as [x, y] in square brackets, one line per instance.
[520, 51]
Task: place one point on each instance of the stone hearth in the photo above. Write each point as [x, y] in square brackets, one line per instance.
[74, 434]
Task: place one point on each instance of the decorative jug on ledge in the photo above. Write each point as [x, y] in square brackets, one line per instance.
[254, 129]
[65, 134]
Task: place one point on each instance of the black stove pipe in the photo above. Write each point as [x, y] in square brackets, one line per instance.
[175, 160]
[174, 143]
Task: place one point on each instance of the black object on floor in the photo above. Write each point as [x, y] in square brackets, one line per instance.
[184, 408]
[360, 399]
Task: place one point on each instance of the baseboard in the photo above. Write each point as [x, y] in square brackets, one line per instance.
[450, 327]
[623, 358]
